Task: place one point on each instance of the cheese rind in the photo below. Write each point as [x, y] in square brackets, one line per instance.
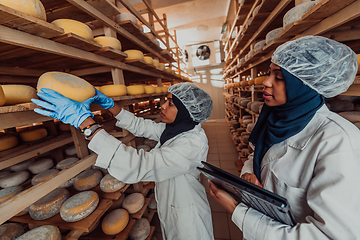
[10, 231]
[114, 90]
[33, 135]
[110, 184]
[148, 59]
[7, 142]
[67, 162]
[70, 151]
[149, 89]
[140, 230]
[134, 54]
[41, 165]
[22, 165]
[295, 13]
[79, 206]
[47, 232]
[7, 193]
[66, 84]
[87, 179]
[16, 94]
[76, 27]
[108, 41]
[44, 176]
[33, 8]
[2, 96]
[164, 89]
[14, 179]
[135, 89]
[133, 202]
[156, 62]
[158, 89]
[259, 80]
[115, 221]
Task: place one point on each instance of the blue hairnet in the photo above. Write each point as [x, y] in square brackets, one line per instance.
[327, 66]
[195, 100]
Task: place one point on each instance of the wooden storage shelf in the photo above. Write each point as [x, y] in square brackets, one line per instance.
[76, 41]
[111, 53]
[111, 196]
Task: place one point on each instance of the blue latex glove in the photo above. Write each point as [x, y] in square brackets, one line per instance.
[103, 100]
[62, 108]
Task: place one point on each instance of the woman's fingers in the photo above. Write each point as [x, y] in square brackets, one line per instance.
[43, 104]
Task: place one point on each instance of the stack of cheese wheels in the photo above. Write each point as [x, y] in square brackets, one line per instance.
[115, 221]
[49, 205]
[70, 151]
[164, 89]
[44, 176]
[251, 82]
[15, 94]
[149, 89]
[148, 60]
[158, 89]
[22, 165]
[273, 34]
[110, 184]
[7, 193]
[41, 165]
[135, 89]
[14, 179]
[108, 42]
[68, 85]
[33, 135]
[114, 90]
[2, 96]
[296, 13]
[259, 80]
[33, 8]
[10, 231]
[156, 62]
[122, 17]
[133, 202]
[79, 206]
[140, 230]
[87, 179]
[259, 45]
[47, 232]
[7, 142]
[76, 27]
[134, 54]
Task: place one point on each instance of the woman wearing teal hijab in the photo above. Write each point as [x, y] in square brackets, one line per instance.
[302, 151]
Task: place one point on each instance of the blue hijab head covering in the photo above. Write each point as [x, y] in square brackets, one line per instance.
[276, 124]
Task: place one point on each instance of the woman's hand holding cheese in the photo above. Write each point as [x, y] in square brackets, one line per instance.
[103, 100]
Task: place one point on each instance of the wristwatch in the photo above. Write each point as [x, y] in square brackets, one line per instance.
[90, 130]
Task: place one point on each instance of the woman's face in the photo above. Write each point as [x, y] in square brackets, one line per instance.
[168, 110]
[274, 92]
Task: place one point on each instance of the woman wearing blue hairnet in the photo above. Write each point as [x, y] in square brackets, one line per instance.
[302, 151]
[183, 208]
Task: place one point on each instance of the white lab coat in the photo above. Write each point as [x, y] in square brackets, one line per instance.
[183, 207]
[318, 171]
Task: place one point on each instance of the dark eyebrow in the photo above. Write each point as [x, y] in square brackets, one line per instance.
[169, 98]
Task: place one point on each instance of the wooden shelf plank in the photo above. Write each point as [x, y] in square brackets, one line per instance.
[141, 212]
[325, 9]
[21, 21]
[76, 41]
[112, 53]
[105, 7]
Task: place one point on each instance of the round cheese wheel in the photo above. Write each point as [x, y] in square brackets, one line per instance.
[4, 173]
[64, 127]
[134, 54]
[135, 89]
[66, 84]
[33, 135]
[47, 232]
[7, 142]
[115, 221]
[273, 34]
[68, 183]
[79, 206]
[162, 66]
[251, 82]
[7, 193]
[10, 231]
[87, 179]
[15, 94]
[244, 83]
[76, 27]
[164, 89]
[140, 230]
[122, 17]
[114, 90]
[158, 89]
[149, 89]
[297, 12]
[156, 62]
[22, 166]
[152, 203]
[67, 162]
[14, 179]
[133, 202]
[148, 59]
[260, 80]
[108, 41]
[247, 116]
[33, 8]
[44, 176]
[2, 96]
[70, 151]
[250, 126]
[259, 45]
[255, 107]
[110, 184]
[49, 205]
[41, 165]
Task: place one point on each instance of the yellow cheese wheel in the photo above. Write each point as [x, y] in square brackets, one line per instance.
[167, 69]
[149, 89]
[148, 59]
[79, 206]
[68, 85]
[114, 90]
[7, 142]
[158, 89]
[134, 54]
[133, 202]
[162, 66]
[33, 8]
[108, 41]
[2, 96]
[49, 205]
[110, 184]
[47, 232]
[87, 179]
[41, 165]
[358, 60]
[15, 94]
[44, 176]
[33, 135]
[7, 193]
[251, 82]
[10, 231]
[14, 179]
[76, 27]
[244, 83]
[259, 80]
[115, 221]
[164, 89]
[156, 62]
[135, 89]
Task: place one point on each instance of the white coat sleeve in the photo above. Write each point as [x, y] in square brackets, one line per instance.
[248, 165]
[127, 164]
